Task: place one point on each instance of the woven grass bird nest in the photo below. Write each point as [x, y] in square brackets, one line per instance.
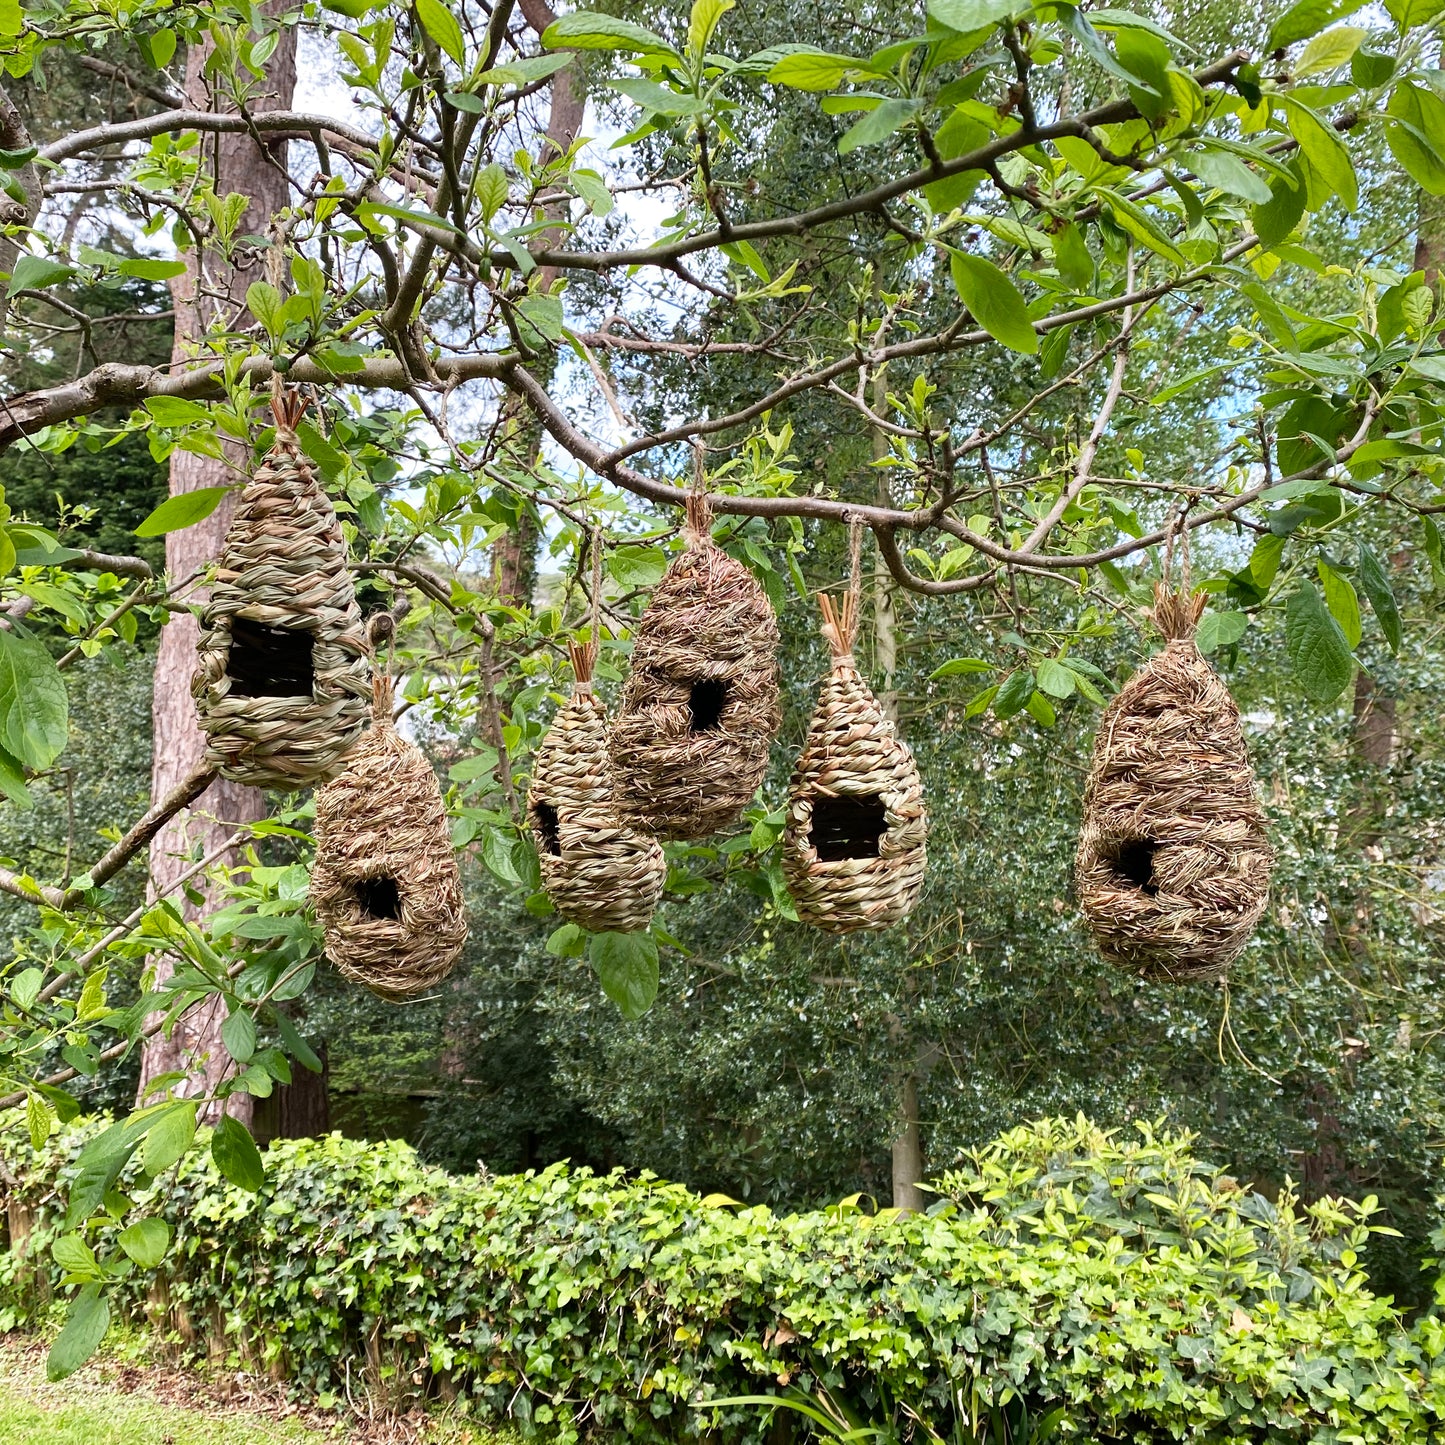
[700, 708]
[1174, 862]
[854, 845]
[283, 678]
[385, 883]
[599, 873]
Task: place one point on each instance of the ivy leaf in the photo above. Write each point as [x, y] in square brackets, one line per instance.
[182, 510]
[627, 967]
[439, 22]
[1375, 584]
[1318, 651]
[34, 709]
[236, 1155]
[994, 301]
[85, 1327]
[146, 1241]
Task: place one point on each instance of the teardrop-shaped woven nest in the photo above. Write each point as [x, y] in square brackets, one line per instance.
[854, 844]
[599, 873]
[283, 678]
[385, 882]
[1174, 860]
[700, 708]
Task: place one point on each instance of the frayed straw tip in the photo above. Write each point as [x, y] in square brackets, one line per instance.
[1176, 614]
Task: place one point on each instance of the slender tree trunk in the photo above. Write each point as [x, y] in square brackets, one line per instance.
[210, 293]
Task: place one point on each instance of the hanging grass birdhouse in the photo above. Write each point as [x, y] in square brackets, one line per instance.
[283, 678]
[385, 882]
[700, 708]
[599, 873]
[1174, 862]
[854, 844]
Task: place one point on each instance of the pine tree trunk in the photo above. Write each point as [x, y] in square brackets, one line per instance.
[211, 290]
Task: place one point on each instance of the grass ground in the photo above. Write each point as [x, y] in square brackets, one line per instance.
[116, 1401]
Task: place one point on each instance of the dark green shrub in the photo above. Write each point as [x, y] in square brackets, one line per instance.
[1122, 1280]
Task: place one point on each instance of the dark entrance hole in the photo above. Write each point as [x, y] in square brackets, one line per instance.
[269, 661]
[379, 897]
[705, 702]
[545, 817]
[1134, 864]
[847, 827]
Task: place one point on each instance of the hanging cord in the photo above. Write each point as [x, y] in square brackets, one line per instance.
[697, 523]
[380, 634]
[840, 624]
[584, 654]
[1176, 613]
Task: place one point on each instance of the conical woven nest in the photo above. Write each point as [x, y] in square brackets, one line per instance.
[854, 845]
[598, 872]
[690, 743]
[283, 678]
[1174, 862]
[385, 882]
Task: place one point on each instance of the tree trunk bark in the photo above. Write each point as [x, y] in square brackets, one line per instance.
[211, 290]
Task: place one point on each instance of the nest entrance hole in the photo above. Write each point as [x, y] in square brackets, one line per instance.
[848, 827]
[544, 815]
[706, 699]
[1132, 862]
[270, 661]
[379, 897]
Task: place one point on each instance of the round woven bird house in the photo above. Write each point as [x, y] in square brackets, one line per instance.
[599, 873]
[1174, 862]
[854, 845]
[283, 678]
[700, 708]
[385, 883]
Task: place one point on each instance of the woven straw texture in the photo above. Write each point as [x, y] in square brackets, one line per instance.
[598, 872]
[385, 882]
[854, 845]
[690, 743]
[1174, 862]
[279, 709]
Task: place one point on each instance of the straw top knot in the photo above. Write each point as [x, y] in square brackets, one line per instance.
[584, 659]
[840, 626]
[383, 700]
[1176, 614]
[288, 406]
[698, 518]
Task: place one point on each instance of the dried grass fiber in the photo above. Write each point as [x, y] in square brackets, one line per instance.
[700, 707]
[853, 752]
[283, 565]
[599, 873]
[1174, 861]
[383, 847]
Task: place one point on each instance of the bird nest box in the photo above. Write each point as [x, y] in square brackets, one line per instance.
[1174, 862]
[283, 678]
[600, 873]
[700, 707]
[854, 843]
[385, 882]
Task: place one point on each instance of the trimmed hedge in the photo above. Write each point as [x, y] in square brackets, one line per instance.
[1149, 1296]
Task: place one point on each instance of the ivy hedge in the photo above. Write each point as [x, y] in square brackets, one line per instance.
[1123, 1280]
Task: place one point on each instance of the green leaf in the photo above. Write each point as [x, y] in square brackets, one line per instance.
[1324, 150]
[263, 301]
[1072, 259]
[1274, 220]
[815, 70]
[1329, 51]
[960, 665]
[1375, 584]
[35, 273]
[658, 99]
[34, 709]
[1220, 629]
[12, 781]
[38, 1120]
[994, 301]
[169, 1137]
[966, 15]
[176, 411]
[491, 188]
[146, 1241]
[702, 21]
[568, 941]
[1318, 650]
[626, 964]
[1055, 679]
[439, 22]
[1341, 600]
[1014, 693]
[183, 510]
[236, 1155]
[582, 30]
[1226, 172]
[1142, 226]
[85, 1327]
[146, 268]
[238, 1034]
[878, 124]
[1416, 135]
[1306, 18]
